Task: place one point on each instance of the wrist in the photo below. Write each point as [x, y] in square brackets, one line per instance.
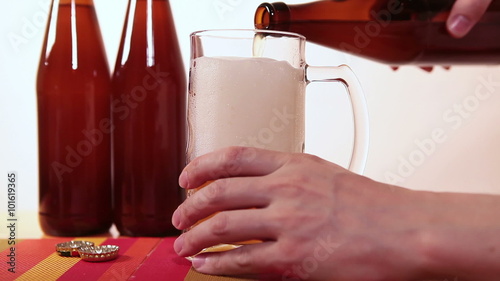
[461, 236]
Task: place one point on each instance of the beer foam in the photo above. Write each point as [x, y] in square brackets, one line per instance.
[255, 102]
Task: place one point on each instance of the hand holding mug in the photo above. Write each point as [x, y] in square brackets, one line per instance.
[319, 221]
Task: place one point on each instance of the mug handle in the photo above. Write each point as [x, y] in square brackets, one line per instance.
[346, 76]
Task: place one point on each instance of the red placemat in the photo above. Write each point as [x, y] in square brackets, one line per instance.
[139, 259]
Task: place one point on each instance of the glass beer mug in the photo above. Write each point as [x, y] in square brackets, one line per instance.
[247, 88]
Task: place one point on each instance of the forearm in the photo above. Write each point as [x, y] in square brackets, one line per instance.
[462, 240]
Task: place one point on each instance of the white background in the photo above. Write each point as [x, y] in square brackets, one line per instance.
[406, 107]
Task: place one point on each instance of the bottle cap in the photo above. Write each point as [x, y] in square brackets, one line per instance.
[70, 248]
[98, 253]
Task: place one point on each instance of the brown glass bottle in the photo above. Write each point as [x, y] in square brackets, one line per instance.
[149, 116]
[73, 93]
[395, 32]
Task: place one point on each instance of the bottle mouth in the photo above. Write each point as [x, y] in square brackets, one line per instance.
[272, 16]
[263, 16]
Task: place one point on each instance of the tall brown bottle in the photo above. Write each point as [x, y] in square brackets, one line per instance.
[73, 92]
[396, 32]
[149, 100]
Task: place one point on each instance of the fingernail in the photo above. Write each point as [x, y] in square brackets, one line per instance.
[198, 261]
[179, 242]
[183, 179]
[176, 218]
[460, 25]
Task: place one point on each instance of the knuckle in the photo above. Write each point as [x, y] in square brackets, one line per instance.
[219, 226]
[313, 158]
[216, 263]
[189, 214]
[195, 163]
[244, 258]
[215, 191]
[187, 244]
[232, 158]
[303, 158]
[199, 201]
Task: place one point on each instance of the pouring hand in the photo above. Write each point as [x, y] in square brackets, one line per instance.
[464, 15]
[319, 221]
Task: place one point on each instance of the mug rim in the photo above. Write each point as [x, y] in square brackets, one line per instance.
[207, 32]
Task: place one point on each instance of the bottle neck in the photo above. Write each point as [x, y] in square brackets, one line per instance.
[269, 15]
[148, 33]
[148, 2]
[74, 2]
[72, 36]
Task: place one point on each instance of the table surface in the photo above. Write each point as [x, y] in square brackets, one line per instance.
[140, 258]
